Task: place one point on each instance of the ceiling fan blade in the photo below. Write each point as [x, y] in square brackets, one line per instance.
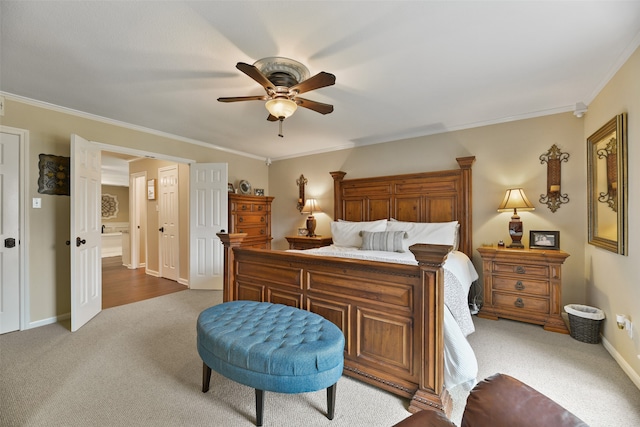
[255, 74]
[321, 79]
[244, 98]
[272, 118]
[314, 105]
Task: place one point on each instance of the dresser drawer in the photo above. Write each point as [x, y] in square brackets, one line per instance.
[528, 269]
[250, 219]
[520, 302]
[520, 285]
[250, 207]
[252, 230]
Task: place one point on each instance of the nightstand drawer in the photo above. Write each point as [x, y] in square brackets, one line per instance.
[512, 284]
[521, 302]
[528, 269]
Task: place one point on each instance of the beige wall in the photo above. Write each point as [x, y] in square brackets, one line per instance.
[613, 281]
[507, 155]
[49, 133]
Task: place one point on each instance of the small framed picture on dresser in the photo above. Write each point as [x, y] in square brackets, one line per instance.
[544, 240]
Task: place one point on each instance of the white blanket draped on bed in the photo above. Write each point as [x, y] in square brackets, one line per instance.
[461, 366]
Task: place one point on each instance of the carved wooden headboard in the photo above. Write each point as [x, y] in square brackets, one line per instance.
[438, 196]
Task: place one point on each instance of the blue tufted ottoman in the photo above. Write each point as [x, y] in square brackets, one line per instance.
[271, 347]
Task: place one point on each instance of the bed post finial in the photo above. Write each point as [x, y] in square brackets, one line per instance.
[338, 176]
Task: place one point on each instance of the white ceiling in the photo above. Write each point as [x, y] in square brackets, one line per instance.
[403, 68]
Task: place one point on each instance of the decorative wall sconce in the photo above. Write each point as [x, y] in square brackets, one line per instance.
[554, 197]
[302, 181]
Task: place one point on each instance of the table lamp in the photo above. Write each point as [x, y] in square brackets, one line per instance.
[311, 206]
[515, 199]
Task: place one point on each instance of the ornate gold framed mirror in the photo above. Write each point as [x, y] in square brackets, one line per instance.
[607, 180]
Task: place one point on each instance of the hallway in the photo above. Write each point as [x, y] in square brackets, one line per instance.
[121, 285]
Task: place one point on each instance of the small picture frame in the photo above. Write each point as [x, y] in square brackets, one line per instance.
[151, 189]
[544, 240]
[259, 191]
[230, 188]
[302, 231]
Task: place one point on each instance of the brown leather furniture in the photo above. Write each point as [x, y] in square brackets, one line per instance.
[501, 400]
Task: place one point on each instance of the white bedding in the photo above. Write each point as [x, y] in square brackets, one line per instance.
[461, 366]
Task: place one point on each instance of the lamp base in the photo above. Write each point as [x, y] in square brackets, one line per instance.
[311, 226]
[515, 232]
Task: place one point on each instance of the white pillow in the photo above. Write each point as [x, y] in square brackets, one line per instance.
[436, 233]
[347, 233]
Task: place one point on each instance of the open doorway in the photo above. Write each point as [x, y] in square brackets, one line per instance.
[125, 277]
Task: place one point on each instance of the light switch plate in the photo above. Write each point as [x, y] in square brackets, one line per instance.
[37, 203]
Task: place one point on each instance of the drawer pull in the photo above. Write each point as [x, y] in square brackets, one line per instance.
[240, 219]
[261, 219]
[260, 207]
[244, 207]
[262, 231]
[519, 285]
[520, 269]
[519, 303]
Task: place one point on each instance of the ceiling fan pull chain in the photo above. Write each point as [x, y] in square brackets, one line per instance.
[280, 133]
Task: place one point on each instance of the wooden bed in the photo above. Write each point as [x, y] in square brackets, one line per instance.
[391, 314]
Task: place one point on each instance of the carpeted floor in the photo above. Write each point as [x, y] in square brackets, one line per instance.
[137, 365]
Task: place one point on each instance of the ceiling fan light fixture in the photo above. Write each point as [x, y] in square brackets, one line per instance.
[281, 107]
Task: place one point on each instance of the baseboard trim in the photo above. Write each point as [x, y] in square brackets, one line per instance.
[153, 273]
[633, 375]
[49, 321]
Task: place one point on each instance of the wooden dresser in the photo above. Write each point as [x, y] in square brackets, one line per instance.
[524, 285]
[304, 242]
[251, 215]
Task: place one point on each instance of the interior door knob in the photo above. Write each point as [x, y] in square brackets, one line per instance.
[161, 229]
[80, 241]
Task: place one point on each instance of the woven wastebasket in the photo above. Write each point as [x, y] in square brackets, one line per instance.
[584, 322]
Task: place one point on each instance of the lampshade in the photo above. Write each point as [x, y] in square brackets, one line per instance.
[311, 206]
[281, 107]
[514, 199]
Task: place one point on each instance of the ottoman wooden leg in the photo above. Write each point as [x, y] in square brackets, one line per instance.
[331, 401]
[206, 377]
[259, 406]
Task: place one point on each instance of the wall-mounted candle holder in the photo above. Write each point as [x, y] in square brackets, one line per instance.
[554, 197]
[301, 182]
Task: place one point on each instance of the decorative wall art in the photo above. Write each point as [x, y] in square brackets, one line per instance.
[554, 197]
[109, 206]
[151, 189]
[54, 175]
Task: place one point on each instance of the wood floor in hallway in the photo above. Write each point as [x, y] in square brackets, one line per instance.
[121, 285]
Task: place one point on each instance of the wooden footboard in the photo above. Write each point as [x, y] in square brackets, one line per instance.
[391, 314]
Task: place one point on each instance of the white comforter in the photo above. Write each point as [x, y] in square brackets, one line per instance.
[461, 366]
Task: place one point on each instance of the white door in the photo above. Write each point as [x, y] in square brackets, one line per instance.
[9, 233]
[86, 263]
[207, 216]
[138, 219]
[168, 203]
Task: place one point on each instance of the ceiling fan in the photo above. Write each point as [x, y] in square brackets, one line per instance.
[284, 79]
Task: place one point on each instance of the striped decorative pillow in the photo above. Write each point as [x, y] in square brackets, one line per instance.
[389, 241]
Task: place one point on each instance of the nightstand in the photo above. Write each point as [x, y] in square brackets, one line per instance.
[304, 242]
[524, 285]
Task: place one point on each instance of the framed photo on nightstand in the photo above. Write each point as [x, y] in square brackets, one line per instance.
[544, 240]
